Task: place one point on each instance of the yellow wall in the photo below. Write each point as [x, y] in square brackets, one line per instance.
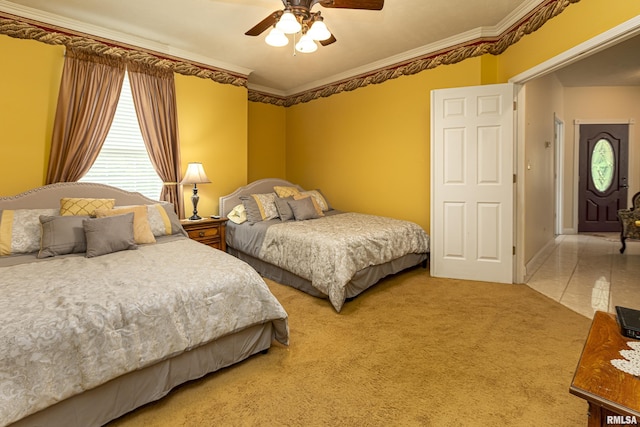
[29, 82]
[267, 141]
[368, 150]
[212, 122]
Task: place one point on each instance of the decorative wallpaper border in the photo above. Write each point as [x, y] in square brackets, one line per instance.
[22, 28]
[495, 46]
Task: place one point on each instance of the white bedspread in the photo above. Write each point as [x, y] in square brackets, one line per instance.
[329, 251]
[70, 324]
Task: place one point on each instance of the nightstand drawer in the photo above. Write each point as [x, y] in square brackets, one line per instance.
[216, 243]
[204, 233]
[208, 231]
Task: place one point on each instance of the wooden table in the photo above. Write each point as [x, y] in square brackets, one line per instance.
[613, 395]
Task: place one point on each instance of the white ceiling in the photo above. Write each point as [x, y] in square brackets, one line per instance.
[618, 65]
[212, 32]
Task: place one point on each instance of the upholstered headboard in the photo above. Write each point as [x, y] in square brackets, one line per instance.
[49, 196]
[228, 202]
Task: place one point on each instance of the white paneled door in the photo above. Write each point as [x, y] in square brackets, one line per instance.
[472, 185]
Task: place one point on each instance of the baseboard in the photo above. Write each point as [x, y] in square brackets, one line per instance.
[536, 261]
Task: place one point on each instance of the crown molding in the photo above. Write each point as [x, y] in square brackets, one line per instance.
[394, 61]
[429, 49]
[526, 19]
[532, 15]
[96, 32]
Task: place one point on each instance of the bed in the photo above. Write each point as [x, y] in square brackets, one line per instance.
[89, 333]
[329, 254]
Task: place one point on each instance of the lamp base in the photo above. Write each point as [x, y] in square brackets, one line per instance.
[194, 200]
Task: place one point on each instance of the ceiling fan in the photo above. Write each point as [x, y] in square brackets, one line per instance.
[297, 17]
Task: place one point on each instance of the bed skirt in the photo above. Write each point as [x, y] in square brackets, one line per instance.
[361, 281]
[115, 398]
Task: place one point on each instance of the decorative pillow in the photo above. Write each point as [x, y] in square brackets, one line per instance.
[303, 209]
[141, 228]
[109, 234]
[62, 235]
[162, 218]
[283, 192]
[313, 200]
[20, 230]
[238, 215]
[260, 207]
[284, 210]
[84, 206]
[319, 198]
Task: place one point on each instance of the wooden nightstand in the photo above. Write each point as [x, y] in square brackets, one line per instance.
[208, 231]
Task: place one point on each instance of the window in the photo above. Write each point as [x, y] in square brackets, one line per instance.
[602, 165]
[123, 161]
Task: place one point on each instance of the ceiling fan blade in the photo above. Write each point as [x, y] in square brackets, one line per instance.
[328, 41]
[266, 23]
[354, 4]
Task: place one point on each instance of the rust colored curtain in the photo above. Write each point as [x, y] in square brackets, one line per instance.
[154, 98]
[87, 101]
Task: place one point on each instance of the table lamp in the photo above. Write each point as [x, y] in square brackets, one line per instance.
[195, 175]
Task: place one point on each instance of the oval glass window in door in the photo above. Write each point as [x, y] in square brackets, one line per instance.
[602, 165]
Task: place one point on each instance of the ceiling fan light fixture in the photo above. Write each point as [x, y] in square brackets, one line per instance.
[319, 31]
[306, 44]
[276, 38]
[288, 23]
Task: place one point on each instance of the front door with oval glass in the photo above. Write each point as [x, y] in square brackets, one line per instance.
[603, 176]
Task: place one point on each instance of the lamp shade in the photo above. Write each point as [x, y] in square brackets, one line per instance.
[195, 174]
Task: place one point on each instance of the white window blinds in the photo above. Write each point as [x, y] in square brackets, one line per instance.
[123, 161]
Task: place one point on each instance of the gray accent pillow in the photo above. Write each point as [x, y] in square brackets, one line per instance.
[303, 209]
[284, 210]
[251, 208]
[62, 235]
[109, 234]
[260, 207]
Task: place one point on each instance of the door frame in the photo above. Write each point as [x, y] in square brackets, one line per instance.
[558, 139]
[624, 31]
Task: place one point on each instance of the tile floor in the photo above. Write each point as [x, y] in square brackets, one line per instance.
[586, 272]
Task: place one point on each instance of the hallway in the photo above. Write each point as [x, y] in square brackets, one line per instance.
[586, 272]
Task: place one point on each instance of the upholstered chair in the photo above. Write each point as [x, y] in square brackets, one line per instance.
[630, 220]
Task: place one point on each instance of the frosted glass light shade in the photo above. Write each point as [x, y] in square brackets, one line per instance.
[306, 44]
[288, 23]
[276, 38]
[319, 31]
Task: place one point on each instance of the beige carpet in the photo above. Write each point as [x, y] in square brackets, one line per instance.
[412, 351]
